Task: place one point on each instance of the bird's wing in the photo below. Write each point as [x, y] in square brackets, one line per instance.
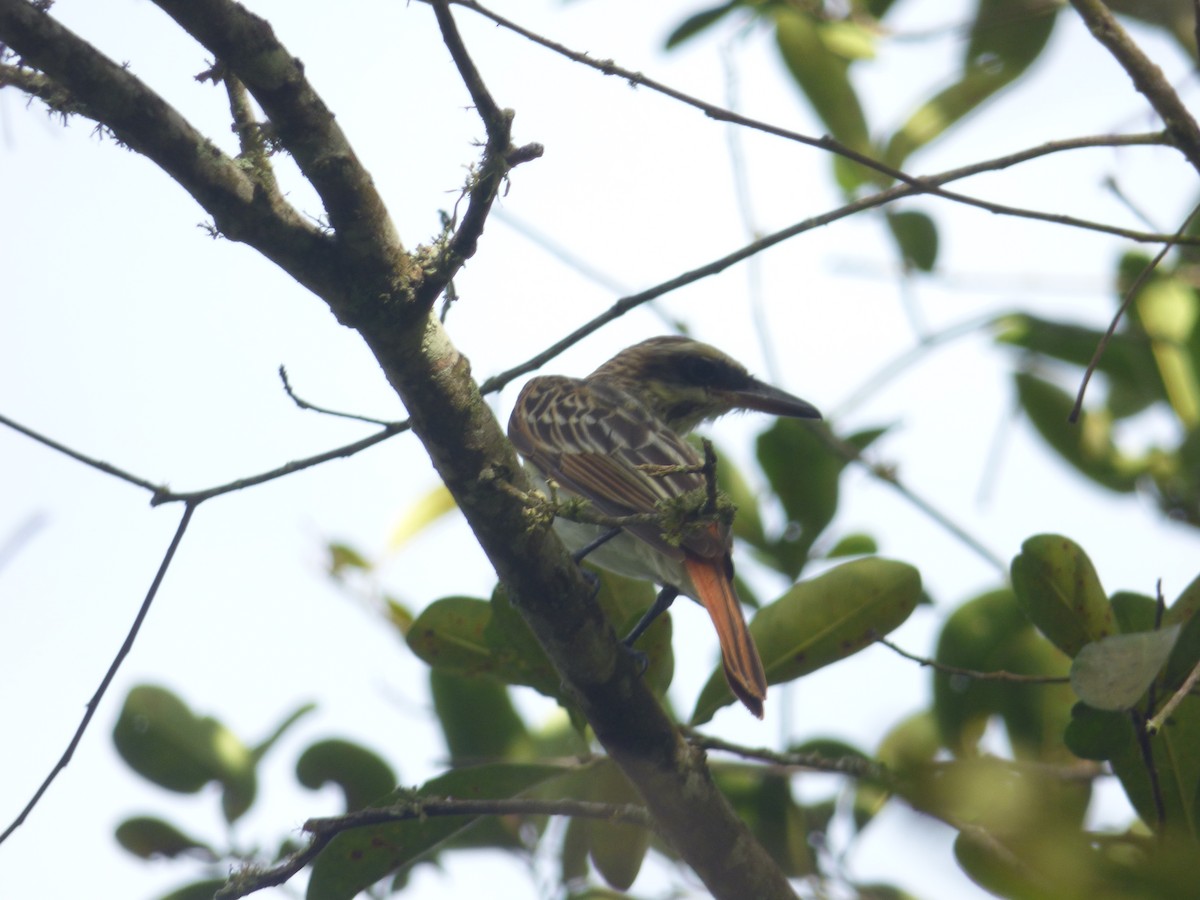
[591, 438]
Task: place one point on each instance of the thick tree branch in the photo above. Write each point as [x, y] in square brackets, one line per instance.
[305, 126]
[370, 283]
[108, 93]
[1147, 77]
[498, 157]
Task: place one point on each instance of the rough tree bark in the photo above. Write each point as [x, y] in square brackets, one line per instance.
[373, 284]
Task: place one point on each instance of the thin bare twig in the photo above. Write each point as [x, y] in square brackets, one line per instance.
[975, 674]
[323, 830]
[304, 404]
[1126, 300]
[98, 464]
[1154, 725]
[1147, 77]
[167, 496]
[855, 766]
[499, 156]
[94, 703]
[881, 198]
[917, 184]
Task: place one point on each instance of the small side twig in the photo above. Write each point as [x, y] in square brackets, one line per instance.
[499, 156]
[1147, 77]
[855, 766]
[975, 674]
[304, 404]
[878, 199]
[94, 703]
[90, 461]
[1126, 300]
[165, 496]
[1155, 724]
[916, 184]
[323, 830]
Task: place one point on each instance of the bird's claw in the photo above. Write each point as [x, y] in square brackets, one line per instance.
[592, 579]
[640, 660]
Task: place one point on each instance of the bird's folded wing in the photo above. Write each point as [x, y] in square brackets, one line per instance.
[593, 440]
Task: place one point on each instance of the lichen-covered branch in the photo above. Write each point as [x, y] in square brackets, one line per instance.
[1147, 77]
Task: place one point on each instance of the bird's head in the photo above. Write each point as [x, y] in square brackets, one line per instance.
[685, 382]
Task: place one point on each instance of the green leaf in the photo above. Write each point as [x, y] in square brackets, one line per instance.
[471, 637]
[361, 774]
[1186, 605]
[625, 601]
[1087, 445]
[1134, 612]
[199, 890]
[1114, 673]
[990, 634]
[1057, 588]
[1035, 716]
[616, 849]
[449, 635]
[356, 859]
[764, 801]
[477, 717]
[917, 237]
[1187, 649]
[1127, 363]
[343, 557]
[973, 638]
[1176, 760]
[909, 745]
[1109, 735]
[261, 749]
[848, 39]
[823, 620]
[164, 742]
[1006, 37]
[1168, 310]
[803, 469]
[238, 792]
[517, 657]
[1099, 734]
[148, 837]
[810, 49]
[857, 544]
[698, 22]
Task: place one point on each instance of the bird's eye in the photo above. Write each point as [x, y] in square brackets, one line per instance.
[700, 370]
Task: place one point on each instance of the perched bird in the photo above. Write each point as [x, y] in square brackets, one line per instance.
[602, 437]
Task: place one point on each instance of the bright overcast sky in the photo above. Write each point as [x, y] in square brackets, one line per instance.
[128, 334]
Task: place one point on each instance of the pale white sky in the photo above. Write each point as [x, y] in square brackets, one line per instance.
[127, 333]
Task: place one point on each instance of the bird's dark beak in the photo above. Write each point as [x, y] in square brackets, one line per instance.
[762, 397]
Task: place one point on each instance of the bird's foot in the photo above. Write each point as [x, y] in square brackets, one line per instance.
[640, 660]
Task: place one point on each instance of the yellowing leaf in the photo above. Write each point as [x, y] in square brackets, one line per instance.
[1168, 311]
[420, 516]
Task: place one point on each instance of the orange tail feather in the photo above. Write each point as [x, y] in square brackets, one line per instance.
[743, 667]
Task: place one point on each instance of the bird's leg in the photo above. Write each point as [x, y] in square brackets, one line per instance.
[660, 605]
[595, 544]
[591, 577]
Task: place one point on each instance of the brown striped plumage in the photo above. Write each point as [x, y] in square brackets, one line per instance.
[591, 435]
